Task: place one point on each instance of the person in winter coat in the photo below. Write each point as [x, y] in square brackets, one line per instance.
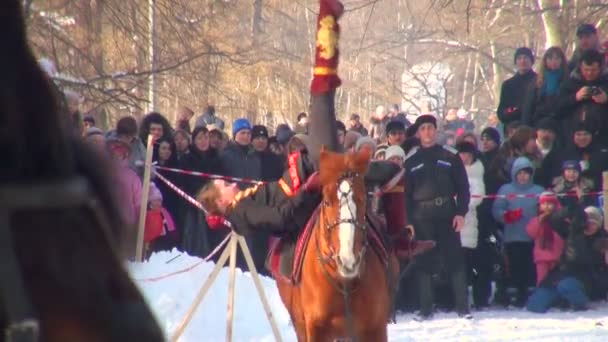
[513, 90]
[378, 124]
[573, 186]
[196, 238]
[478, 275]
[583, 97]
[181, 139]
[129, 186]
[548, 245]
[588, 151]
[158, 126]
[239, 159]
[541, 97]
[572, 279]
[515, 214]
[160, 233]
[126, 130]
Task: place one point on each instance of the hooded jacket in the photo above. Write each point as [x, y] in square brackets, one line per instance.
[516, 231]
[470, 232]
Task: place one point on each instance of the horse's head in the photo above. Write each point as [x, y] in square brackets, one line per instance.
[343, 213]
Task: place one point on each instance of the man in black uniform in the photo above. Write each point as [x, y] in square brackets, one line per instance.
[434, 176]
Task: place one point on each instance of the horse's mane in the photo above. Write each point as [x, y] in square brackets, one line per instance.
[70, 268]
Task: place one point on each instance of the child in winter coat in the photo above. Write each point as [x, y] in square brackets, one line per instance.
[573, 185]
[548, 245]
[129, 184]
[159, 233]
[515, 213]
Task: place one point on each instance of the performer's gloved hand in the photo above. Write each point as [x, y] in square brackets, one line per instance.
[512, 216]
[313, 183]
[215, 222]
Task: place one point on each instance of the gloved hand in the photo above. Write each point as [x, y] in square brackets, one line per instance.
[215, 222]
[512, 216]
[313, 183]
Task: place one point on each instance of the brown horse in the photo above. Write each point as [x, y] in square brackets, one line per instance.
[62, 277]
[344, 290]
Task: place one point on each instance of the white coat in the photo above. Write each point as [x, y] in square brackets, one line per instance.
[469, 233]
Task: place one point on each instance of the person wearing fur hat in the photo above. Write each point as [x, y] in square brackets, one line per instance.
[350, 140]
[437, 198]
[513, 90]
[395, 154]
[548, 245]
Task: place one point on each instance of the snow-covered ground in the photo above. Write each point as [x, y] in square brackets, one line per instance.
[171, 297]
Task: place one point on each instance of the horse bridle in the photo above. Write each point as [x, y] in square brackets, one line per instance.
[22, 322]
[359, 224]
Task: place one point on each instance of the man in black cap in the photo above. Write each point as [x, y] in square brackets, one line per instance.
[513, 91]
[434, 177]
[587, 39]
[549, 147]
[395, 133]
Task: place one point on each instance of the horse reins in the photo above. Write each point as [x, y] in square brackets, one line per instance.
[325, 260]
[22, 322]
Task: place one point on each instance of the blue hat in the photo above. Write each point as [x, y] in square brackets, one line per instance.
[571, 164]
[239, 125]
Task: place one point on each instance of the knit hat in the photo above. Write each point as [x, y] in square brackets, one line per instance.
[466, 147]
[547, 124]
[258, 131]
[155, 194]
[239, 125]
[594, 215]
[525, 52]
[394, 125]
[571, 165]
[89, 119]
[425, 118]
[365, 141]
[492, 134]
[394, 151]
[548, 197]
[283, 134]
[380, 150]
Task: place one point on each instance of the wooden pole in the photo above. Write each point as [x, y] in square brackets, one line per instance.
[203, 292]
[230, 313]
[605, 194]
[258, 285]
[144, 202]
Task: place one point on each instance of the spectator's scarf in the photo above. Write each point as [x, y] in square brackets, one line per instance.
[551, 82]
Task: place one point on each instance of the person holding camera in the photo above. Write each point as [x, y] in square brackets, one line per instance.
[583, 97]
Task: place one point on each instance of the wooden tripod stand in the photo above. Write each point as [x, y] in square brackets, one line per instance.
[230, 251]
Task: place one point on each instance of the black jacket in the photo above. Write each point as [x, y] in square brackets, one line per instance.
[513, 95]
[436, 172]
[570, 111]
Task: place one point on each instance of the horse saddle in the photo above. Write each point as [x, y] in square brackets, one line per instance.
[286, 257]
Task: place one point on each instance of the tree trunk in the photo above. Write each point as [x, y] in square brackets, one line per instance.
[476, 73]
[465, 84]
[256, 21]
[551, 22]
[497, 73]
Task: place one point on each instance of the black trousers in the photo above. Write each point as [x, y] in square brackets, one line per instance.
[479, 274]
[522, 272]
[447, 257]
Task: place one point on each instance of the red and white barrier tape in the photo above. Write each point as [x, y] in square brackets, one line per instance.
[189, 268]
[187, 197]
[209, 175]
[513, 196]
